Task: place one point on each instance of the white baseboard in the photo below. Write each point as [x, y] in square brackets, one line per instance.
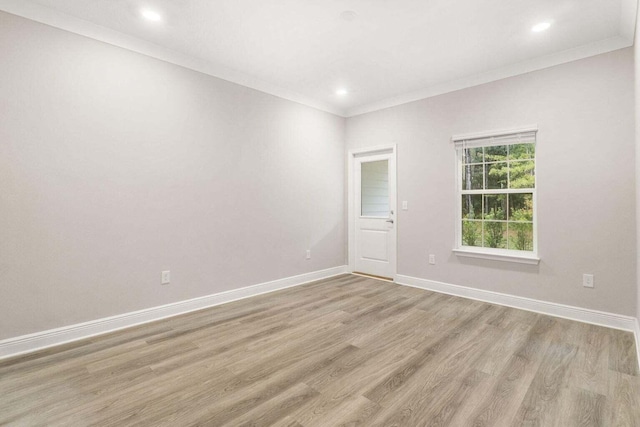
[601, 318]
[40, 340]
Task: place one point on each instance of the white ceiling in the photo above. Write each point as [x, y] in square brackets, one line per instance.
[394, 51]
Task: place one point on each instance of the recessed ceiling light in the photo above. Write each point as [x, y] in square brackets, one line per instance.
[540, 27]
[342, 92]
[348, 15]
[151, 15]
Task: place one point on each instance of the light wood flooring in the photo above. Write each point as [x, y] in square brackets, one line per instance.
[346, 351]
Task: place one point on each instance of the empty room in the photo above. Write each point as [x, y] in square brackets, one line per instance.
[319, 213]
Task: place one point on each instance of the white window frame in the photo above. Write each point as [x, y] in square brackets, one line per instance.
[501, 137]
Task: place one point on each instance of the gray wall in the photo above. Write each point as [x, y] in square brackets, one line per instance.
[586, 180]
[636, 52]
[115, 166]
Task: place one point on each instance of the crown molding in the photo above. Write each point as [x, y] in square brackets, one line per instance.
[75, 25]
[53, 18]
[512, 70]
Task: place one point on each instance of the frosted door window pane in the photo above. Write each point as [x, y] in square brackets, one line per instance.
[375, 188]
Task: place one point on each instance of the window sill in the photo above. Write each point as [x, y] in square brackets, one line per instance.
[531, 259]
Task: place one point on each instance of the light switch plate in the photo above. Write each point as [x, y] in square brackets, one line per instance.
[166, 277]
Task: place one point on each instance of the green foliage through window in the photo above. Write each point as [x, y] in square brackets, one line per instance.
[502, 219]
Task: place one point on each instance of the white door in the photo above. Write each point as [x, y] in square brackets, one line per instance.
[374, 213]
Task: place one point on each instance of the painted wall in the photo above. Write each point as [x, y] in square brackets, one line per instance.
[585, 176]
[636, 53]
[115, 166]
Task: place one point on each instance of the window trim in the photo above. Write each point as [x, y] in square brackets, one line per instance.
[496, 254]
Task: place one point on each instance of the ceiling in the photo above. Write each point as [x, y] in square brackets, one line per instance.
[387, 53]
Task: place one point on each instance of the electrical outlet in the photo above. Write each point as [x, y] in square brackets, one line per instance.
[587, 280]
[308, 254]
[432, 259]
[166, 277]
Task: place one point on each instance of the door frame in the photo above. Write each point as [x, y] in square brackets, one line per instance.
[351, 205]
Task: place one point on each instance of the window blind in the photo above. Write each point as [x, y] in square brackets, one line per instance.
[524, 137]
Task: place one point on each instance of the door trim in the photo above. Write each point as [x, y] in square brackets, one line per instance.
[351, 242]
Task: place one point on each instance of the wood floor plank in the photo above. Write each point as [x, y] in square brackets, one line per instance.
[389, 385]
[500, 405]
[541, 404]
[352, 412]
[245, 400]
[429, 394]
[439, 410]
[590, 369]
[502, 350]
[287, 422]
[277, 408]
[452, 397]
[583, 408]
[338, 384]
[622, 355]
[344, 351]
[624, 400]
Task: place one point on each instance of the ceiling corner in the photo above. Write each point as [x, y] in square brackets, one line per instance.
[512, 70]
[628, 17]
[53, 18]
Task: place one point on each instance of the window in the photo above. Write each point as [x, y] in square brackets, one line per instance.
[497, 196]
[374, 193]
